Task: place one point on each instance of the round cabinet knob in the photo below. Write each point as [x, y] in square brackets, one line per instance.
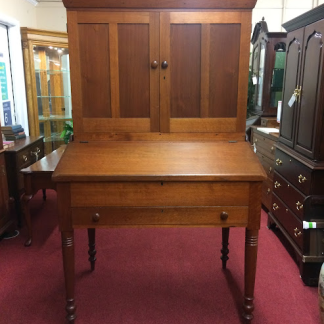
[154, 64]
[164, 64]
[95, 217]
[223, 216]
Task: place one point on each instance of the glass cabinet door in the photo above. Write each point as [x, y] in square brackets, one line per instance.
[52, 75]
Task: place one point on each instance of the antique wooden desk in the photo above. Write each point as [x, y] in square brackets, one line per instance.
[36, 177]
[120, 184]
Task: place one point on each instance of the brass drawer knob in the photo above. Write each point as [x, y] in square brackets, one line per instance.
[297, 232]
[299, 205]
[275, 206]
[223, 216]
[272, 149]
[277, 185]
[268, 191]
[278, 162]
[255, 140]
[95, 217]
[25, 158]
[270, 169]
[301, 178]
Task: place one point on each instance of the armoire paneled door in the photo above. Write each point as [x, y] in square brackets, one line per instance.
[136, 74]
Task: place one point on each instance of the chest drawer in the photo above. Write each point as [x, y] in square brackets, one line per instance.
[294, 171]
[267, 193]
[293, 198]
[267, 164]
[291, 223]
[264, 145]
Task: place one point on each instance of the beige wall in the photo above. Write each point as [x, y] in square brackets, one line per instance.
[21, 10]
[51, 16]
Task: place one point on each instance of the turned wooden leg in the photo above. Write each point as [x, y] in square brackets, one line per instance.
[68, 265]
[25, 199]
[92, 244]
[225, 250]
[44, 194]
[251, 249]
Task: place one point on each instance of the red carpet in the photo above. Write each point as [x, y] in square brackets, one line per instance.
[148, 276]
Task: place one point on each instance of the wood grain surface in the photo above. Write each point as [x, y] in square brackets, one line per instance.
[159, 161]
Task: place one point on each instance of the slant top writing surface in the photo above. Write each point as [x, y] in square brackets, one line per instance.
[159, 161]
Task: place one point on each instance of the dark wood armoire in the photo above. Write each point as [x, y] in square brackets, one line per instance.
[298, 184]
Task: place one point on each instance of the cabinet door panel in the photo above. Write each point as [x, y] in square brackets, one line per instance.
[292, 69]
[308, 114]
[206, 90]
[116, 90]
[185, 70]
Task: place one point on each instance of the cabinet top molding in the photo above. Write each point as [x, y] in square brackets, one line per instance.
[162, 4]
[305, 19]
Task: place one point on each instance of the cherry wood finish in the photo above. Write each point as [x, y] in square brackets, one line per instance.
[269, 40]
[25, 152]
[165, 146]
[36, 177]
[184, 93]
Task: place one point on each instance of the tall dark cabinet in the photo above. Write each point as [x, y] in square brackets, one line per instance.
[267, 69]
[298, 184]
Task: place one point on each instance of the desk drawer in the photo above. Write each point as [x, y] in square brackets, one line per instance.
[151, 194]
[159, 216]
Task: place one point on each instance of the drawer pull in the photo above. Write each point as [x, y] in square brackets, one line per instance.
[95, 217]
[277, 185]
[255, 140]
[272, 149]
[297, 232]
[275, 206]
[278, 162]
[268, 191]
[299, 205]
[301, 178]
[270, 169]
[223, 216]
[25, 158]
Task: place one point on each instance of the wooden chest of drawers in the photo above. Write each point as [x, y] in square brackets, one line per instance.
[25, 152]
[297, 184]
[264, 147]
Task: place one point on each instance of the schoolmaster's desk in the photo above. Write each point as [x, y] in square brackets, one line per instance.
[122, 184]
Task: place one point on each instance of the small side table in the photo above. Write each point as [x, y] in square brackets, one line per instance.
[25, 152]
[38, 176]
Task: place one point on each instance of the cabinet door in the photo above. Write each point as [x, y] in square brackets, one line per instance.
[291, 81]
[203, 81]
[309, 117]
[115, 89]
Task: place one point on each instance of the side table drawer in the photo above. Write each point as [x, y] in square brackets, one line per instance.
[291, 196]
[267, 193]
[27, 156]
[182, 216]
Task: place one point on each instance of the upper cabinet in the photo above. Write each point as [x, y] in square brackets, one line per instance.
[267, 65]
[158, 71]
[47, 74]
[301, 126]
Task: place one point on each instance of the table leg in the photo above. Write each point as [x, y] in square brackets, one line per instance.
[44, 194]
[25, 199]
[68, 265]
[251, 249]
[92, 244]
[225, 250]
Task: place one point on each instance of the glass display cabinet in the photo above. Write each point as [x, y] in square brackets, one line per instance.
[267, 66]
[47, 75]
